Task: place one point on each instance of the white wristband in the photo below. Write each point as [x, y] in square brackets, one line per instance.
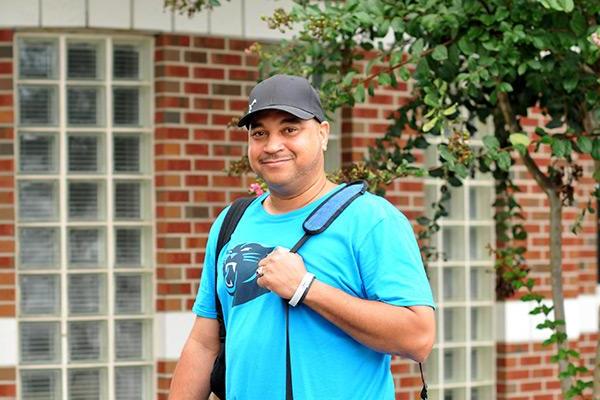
[302, 287]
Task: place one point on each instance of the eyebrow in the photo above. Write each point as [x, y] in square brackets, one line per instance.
[287, 120]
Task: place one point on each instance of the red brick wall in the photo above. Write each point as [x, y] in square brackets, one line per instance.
[201, 84]
[7, 198]
[525, 372]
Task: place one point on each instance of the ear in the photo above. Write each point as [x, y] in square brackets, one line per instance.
[324, 134]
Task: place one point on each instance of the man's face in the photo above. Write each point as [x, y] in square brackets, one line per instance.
[285, 151]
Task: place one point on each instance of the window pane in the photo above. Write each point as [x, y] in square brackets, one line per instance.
[130, 383]
[126, 106]
[481, 363]
[40, 294]
[454, 365]
[85, 384]
[128, 244]
[40, 384]
[86, 294]
[431, 368]
[83, 200]
[482, 283]
[454, 243]
[38, 59]
[127, 200]
[83, 106]
[481, 323]
[454, 394]
[40, 342]
[126, 154]
[83, 153]
[38, 248]
[86, 248]
[454, 325]
[454, 283]
[455, 206]
[37, 105]
[126, 61]
[82, 61]
[128, 294]
[37, 152]
[482, 393]
[86, 340]
[37, 200]
[129, 340]
[480, 203]
[479, 242]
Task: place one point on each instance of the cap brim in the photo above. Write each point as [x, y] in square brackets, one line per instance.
[297, 112]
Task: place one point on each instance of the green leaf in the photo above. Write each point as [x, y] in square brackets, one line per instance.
[404, 73]
[522, 69]
[558, 148]
[596, 149]
[430, 124]
[566, 5]
[417, 48]
[348, 78]
[440, 53]
[578, 24]
[585, 144]
[359, 93]
[466, 45]
[570, 83]
[505, 87]
[423, 220]
[519, 139]
[491, 142]
[384, 79]
[450, 110]
[504, 160]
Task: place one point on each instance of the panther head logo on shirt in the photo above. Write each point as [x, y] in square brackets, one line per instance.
[239, 272]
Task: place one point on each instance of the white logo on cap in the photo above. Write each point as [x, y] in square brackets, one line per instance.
[251, 105]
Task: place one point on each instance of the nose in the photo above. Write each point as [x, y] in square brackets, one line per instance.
[274, 144]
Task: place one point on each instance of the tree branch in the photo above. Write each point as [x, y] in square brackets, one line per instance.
[514, 127]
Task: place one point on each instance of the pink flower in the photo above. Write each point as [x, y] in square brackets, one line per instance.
[256, 189]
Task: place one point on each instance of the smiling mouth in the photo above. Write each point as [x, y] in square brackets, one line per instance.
[275, 162]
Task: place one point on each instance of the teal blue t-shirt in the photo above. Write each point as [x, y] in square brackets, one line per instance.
[369, 252]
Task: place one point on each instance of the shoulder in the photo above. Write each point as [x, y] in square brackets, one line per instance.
[376, 209]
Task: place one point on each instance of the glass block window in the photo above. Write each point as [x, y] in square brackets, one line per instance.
[462, 364]
[83, 204]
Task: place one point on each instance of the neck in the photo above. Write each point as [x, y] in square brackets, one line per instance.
[280, 202]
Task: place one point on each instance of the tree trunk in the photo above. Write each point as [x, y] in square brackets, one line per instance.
[556, 279]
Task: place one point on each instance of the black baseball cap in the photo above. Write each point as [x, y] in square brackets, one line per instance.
[292, 94]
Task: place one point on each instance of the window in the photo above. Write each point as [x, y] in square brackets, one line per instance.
[462, 364]
[83, 217]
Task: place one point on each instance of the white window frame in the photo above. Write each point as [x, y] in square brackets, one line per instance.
[62, 177]
[437, 385]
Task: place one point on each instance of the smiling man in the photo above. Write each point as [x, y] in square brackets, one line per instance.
[367, 297]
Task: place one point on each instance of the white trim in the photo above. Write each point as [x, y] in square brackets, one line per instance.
[516, 325]
[10, 347]
[170, 333]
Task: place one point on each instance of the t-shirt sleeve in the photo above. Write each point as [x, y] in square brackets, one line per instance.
[205, 305]
[390, 263]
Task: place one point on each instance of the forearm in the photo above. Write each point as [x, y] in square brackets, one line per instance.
[408, 331]
[191, 378]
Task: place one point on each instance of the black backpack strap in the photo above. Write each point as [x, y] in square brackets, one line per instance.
[317, 222]
[232, 218]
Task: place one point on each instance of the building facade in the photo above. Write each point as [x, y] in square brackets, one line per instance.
[114, 137]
